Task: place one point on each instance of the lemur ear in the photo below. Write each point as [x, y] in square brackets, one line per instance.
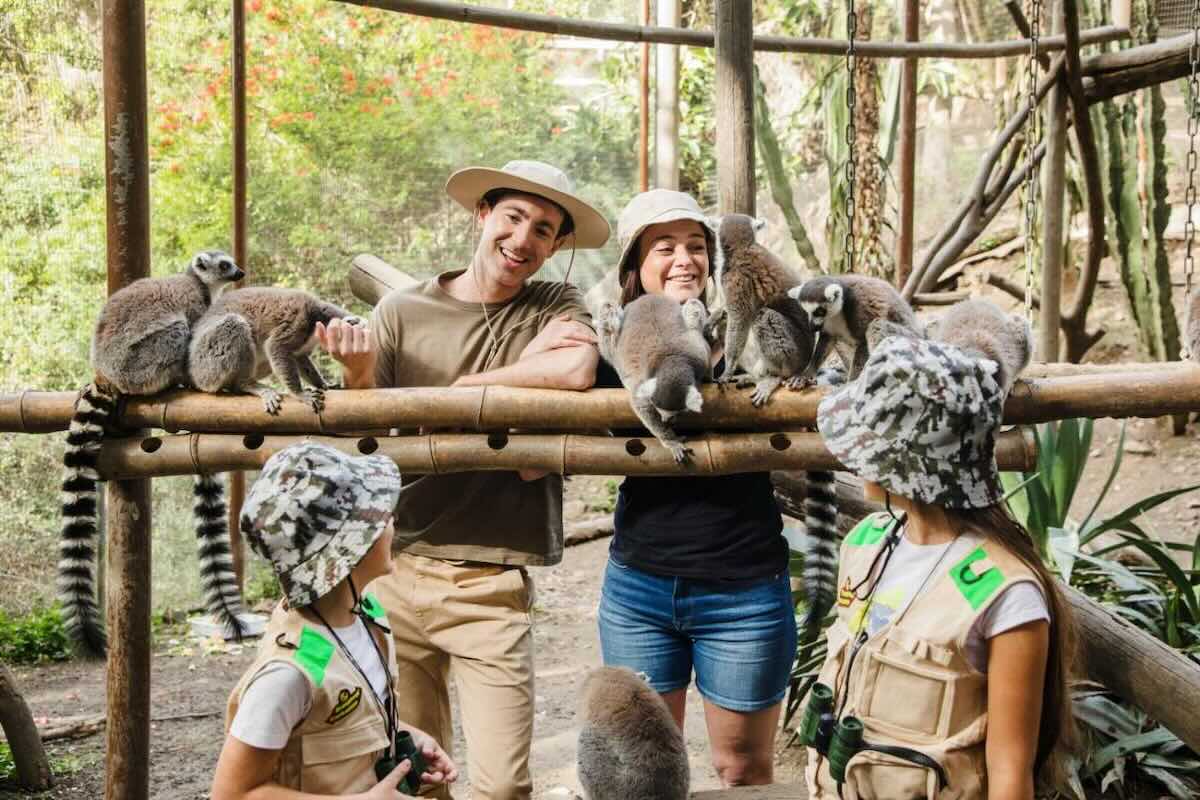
[759, 223]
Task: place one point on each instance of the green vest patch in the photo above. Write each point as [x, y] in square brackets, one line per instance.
[869, 531]
[372, 607]
[314, 654]
[976, 588]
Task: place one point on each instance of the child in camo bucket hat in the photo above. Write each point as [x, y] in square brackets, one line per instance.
[920, 421]
[316, 712]
[314, 512]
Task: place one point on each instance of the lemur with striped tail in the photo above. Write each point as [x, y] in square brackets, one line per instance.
[139, 347]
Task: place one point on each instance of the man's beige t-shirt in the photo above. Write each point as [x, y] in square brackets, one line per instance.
[428, 338]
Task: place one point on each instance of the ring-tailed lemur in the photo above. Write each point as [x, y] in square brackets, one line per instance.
[983, 329]
[658, 349]
[250, 333]
[139, 348]
[751, 278]
[841, 307]
[629, 745]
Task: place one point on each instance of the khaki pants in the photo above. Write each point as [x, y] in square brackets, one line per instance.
[475, 620]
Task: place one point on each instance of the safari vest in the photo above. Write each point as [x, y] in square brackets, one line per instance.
[910, 683]
[334, 749]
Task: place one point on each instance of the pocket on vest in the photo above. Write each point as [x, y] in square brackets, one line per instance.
[879, 776]
[342, 759]
[911, 701]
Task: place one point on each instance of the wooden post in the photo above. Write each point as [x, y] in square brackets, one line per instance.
[28, 754]
[908, 144]
[1053, 212]
[127, 175]
[734, 32]
[237, 480]
[644, 109]
[666, 102]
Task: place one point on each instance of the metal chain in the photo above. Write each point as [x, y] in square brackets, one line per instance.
[1032, 139]
[1189, 227]
[852, 156]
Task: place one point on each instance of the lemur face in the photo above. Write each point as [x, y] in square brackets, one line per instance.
[819, 302]
[216, 268]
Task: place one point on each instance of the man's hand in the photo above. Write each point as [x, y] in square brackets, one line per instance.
[353, 347]
[561, 331]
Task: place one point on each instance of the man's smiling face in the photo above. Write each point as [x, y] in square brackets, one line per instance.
[519, 233]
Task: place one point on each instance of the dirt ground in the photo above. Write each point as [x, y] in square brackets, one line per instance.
[190, 684]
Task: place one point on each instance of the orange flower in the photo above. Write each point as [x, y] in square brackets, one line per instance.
[314, 60]
[256, 5]
[426, 91]
[175, 167]
[309, 116]
[352, 24]
[387, 101]
[555, 131]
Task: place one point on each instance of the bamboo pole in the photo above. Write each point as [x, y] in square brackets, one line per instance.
[237, 480]
[907, 150]
[735, 106]
[618, 32]
[1044, 392]
[644, 108]
[566, 454]
[666, 103]
[127, 201]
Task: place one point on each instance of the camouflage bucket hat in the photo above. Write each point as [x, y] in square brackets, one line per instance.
[920, 421]
[314, 512]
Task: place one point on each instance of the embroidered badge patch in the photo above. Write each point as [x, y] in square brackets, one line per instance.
[845, 595]
[346, 703]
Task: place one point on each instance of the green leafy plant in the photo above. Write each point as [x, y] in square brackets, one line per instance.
[605, 503]
[34, 638]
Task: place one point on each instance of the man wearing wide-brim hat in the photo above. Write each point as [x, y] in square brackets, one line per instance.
[459, 598]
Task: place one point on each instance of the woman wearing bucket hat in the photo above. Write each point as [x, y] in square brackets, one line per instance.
[315, 712]
[697, 576]
[946, 673]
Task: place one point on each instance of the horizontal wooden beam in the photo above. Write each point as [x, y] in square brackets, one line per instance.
[568, 454]
[1047, 392]
[620, 32]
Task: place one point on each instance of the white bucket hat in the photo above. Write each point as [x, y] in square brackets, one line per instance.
[651, 208]
[468, 185]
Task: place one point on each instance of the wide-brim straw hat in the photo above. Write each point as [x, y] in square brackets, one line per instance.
[314, 512]
[468, 185]
[920, 420]
[652, 208]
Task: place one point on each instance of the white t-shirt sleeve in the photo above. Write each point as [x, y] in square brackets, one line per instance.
[1017, 605]
[275, 702]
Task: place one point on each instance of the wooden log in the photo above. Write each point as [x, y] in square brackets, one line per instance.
[1044, 392]
[1128, 662]
[1134, 665]
[618, 32]
[567, 454]
[735, 107]
[28, 754]
[372, 277]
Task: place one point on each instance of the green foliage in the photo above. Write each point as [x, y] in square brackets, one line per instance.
[604, 503]
[34, 638]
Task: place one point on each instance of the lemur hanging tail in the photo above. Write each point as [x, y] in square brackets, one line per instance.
[821, 541]
[77, 544]
[94, 412]
[217, 576]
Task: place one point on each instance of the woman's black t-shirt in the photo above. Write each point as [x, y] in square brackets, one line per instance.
[719, 528]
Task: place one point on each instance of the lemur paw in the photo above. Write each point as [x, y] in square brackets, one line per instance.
[798, 382]
[315, 398]
[679, 451]
[761, 395]
[272, 401]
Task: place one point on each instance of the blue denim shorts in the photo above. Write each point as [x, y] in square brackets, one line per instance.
[741, 641]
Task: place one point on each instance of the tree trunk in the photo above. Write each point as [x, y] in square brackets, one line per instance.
[869, 180]
[777, 177]
[33, 768]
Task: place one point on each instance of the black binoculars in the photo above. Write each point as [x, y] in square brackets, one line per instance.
[837, 740]
[403, 747]
[840, 740]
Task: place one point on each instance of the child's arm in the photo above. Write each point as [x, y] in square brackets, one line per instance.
[245, 773]
[1016, 674]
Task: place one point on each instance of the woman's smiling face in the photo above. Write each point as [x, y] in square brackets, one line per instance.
[674, 259]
